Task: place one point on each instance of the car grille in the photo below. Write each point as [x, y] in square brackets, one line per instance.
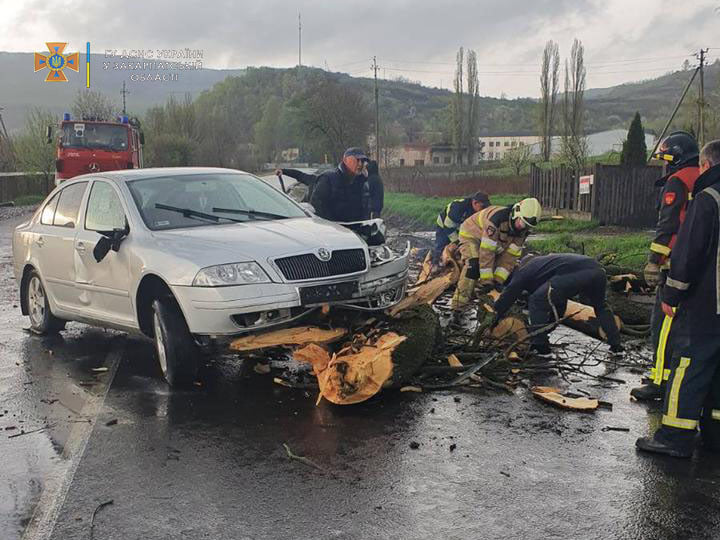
[308, 266]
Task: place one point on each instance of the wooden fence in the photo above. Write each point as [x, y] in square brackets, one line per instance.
[14, 185]
[618, 195]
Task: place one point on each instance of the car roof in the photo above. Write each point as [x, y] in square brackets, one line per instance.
[123, 175]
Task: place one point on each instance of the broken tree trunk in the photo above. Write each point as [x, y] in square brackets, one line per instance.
[300, 335]
[362, 368]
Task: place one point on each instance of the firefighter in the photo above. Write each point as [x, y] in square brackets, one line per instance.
[449, 220]
[691, 298]
[680, 151]
[491, 243]
[552, 280]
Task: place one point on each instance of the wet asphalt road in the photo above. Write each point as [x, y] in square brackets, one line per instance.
[209, 462]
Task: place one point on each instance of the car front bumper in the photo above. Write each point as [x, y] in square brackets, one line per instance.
[227, 311]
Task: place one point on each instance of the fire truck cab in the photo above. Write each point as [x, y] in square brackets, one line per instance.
[91, 145]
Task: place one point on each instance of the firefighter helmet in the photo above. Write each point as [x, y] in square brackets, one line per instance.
[528, 210]
[678, 149]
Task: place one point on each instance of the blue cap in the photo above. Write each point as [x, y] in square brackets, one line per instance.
[355, 152]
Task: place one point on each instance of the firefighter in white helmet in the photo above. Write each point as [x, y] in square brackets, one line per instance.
[491, 243]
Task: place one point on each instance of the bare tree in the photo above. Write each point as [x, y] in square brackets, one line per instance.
[338, 115]
[518, 157]
[92, 104]
[574, 142]
[32, 151]
[457, 107]
[548, 96]
[473, 89]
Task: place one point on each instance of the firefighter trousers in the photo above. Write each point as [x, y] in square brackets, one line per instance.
[548, 303]
[692, 395]
[661, 337]
[442, 239]
[469, 250]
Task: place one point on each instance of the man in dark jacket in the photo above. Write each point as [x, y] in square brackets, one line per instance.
[376, 188]
[342, 194]
[691, 297]
[552, 280]
[452, 216]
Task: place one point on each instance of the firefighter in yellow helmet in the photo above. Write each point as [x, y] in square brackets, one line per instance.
[491, 243]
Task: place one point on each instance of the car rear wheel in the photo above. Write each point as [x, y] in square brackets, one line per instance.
[42, 321]
[178, 354]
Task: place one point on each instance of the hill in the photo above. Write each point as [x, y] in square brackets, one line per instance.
[415, 107]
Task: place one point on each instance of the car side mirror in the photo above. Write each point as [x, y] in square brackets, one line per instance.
[109, 240]
[307, 207]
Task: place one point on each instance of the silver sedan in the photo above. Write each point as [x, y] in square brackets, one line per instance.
[186, 255]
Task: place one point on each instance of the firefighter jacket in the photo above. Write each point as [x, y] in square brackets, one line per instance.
[500, 245]
[453, 215]
[692, 283]
[674, 199]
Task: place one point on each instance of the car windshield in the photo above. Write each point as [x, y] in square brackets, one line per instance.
[193, 200]
[95, 136]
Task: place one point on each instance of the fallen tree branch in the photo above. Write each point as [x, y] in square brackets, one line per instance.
[301, 459]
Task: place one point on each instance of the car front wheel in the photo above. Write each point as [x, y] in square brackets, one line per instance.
[42, 321]
[178, 354]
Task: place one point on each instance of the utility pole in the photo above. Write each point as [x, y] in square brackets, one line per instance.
[299, 41]
[701, 98]
[377, 113]
[124, 92]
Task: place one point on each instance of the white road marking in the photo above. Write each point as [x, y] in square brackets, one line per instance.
[46, 513]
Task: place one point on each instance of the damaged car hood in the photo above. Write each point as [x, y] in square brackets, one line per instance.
[200, 247]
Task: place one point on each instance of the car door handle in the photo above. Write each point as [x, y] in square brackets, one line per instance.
[40, 241]
[80, 247]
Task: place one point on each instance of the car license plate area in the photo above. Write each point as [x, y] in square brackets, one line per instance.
[319, 294]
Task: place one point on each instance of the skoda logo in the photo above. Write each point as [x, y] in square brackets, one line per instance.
[323, 254]
[94, 167]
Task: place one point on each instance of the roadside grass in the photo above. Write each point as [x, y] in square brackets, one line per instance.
[628, 250]
[424, 211]
[28, 200]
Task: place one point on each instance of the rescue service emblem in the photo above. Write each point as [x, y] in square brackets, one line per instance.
[669, 198]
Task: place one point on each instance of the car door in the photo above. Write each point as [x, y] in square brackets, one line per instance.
[104, 286]
[53, 244]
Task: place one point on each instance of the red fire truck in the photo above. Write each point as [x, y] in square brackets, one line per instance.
[91, 145]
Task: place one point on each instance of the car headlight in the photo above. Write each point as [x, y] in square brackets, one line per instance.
[223, 275]
[380, 255]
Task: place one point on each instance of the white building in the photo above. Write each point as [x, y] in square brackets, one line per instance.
[493, 147]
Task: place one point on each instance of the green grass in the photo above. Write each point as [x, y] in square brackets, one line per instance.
[629, 250]
[28, 200]
[426, 209]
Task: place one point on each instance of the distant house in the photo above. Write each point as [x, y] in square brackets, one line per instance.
[290, 154]
[493, 147]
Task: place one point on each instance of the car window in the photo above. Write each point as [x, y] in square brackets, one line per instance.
[48, 213]
[68, 208]
[193, 200]
[104, 209]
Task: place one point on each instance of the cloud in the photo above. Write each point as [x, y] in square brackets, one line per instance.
[413, 39]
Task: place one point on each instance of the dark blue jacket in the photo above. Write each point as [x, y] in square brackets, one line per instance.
[339, 196]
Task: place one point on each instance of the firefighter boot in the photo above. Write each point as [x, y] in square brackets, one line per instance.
[657, 446]
[648, 392]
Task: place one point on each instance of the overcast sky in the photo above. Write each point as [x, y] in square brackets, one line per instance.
[625, 40]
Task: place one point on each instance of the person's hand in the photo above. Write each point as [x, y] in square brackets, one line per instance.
[668, 310]
[652, 274]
